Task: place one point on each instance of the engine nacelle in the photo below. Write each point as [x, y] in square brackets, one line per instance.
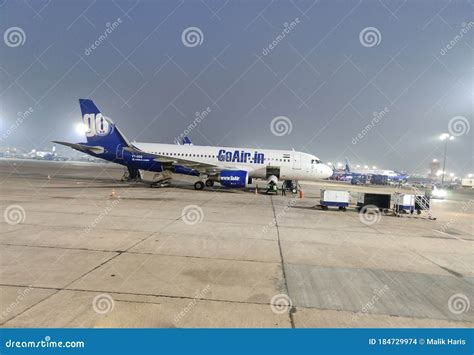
[234, 178]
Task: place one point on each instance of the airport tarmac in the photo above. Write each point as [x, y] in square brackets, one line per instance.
[176, 257]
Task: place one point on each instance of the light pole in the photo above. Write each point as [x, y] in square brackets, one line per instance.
[445, 137]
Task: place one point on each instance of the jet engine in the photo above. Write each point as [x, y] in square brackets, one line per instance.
[234, 178]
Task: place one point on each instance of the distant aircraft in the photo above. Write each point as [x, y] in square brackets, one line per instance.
[38, 154]
[186, 140]
[231, 167]
[44, 155]
[378, 175]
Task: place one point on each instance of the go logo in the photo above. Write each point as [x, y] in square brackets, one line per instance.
[96, 125]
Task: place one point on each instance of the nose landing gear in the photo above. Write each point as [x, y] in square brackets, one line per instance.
[290, 185]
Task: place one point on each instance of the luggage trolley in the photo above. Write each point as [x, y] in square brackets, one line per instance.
[334, 198]
[404, 203]
[380, 201]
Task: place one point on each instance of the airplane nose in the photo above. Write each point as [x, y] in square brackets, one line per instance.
[327, 172]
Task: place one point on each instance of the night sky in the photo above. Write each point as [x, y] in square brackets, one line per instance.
[376, 81]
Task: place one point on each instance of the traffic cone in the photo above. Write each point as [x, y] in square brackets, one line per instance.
[301, 193]
[113, 194]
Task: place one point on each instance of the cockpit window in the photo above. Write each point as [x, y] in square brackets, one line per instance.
[316, 161]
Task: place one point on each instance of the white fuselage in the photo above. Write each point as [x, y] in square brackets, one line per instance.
[389, 173]
[292, 165]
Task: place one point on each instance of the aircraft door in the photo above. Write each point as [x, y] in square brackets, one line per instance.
[119, 152]
[296, 161]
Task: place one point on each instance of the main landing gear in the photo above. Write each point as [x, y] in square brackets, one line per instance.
[161, 180]
[199, 185]
[209, 183]
[131, 174]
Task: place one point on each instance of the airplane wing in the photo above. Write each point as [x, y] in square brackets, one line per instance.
[82, 147]
[168, 162]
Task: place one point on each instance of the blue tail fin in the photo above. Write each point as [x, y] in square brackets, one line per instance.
[186, 140]
[100, 130]
[347, 167]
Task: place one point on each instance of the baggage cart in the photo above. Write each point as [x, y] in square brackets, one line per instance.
[404, 203]
[335, 198]
[380, 201]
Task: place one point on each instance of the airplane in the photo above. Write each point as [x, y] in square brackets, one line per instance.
[38, 154]
[44, 155]
[378, 176]
[349, 176]
[231, 167]
[185, 140]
